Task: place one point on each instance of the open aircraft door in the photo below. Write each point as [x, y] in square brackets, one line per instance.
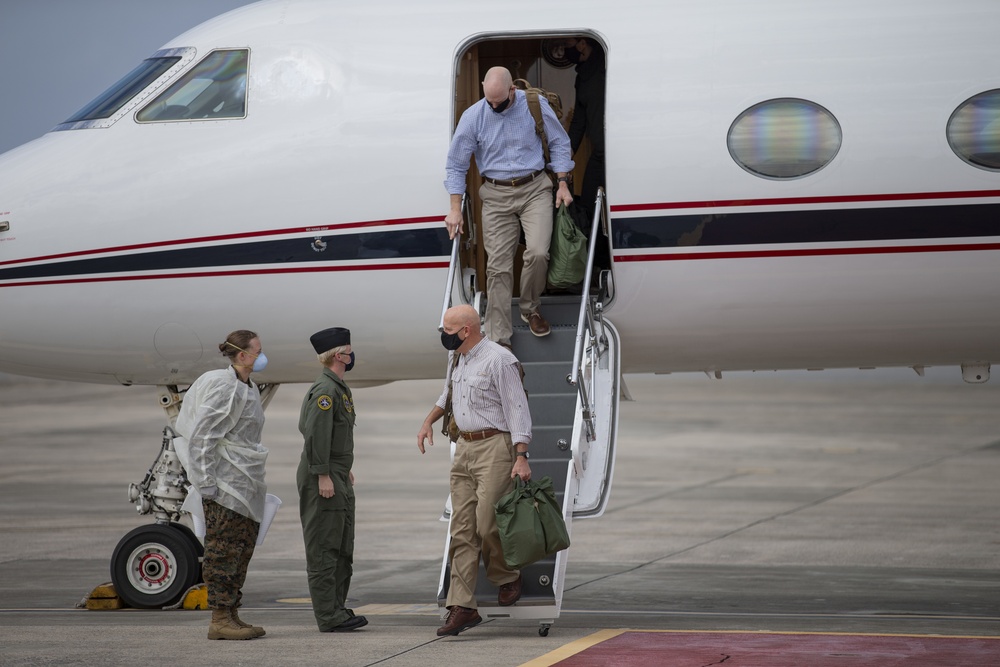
[572, 375]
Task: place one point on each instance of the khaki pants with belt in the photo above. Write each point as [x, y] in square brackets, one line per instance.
[480, 475]
[506, 210]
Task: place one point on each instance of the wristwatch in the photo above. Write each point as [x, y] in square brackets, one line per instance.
[563, 179]
[524, 454]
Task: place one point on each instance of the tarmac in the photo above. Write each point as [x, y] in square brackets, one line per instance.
[841, 504]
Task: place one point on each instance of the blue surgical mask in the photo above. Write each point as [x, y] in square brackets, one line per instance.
[260, 363]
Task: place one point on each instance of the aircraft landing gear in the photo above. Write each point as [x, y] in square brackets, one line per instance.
[154, 565]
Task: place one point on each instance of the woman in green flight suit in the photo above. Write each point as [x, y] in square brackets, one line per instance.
[325, 482]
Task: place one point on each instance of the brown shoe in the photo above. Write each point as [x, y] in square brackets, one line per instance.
[509, 593]
[537, 323]
[459, 618]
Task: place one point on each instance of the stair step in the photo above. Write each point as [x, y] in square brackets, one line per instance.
[548, 408]
[548, 378]
[545, 443]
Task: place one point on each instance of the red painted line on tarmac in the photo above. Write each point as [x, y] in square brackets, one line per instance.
[637, 648]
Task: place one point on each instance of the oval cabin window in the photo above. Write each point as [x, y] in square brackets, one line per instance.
[784, 138]
[974, 130]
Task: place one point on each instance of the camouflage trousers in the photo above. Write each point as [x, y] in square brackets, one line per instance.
[230, 539]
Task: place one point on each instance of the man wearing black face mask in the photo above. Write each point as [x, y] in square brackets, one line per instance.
[588, 113]
[500, 131]
[326, 483]
[491, 411]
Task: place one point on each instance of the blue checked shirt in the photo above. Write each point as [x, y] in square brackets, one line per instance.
[505, 144]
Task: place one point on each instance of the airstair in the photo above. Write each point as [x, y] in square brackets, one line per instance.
[572, 379]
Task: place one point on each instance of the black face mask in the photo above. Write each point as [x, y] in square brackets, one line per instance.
[349, 366]
[500, 107]
[572, 54]
[451, 341]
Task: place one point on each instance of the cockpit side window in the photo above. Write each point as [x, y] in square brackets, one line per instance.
[111, 100]
[215, 88]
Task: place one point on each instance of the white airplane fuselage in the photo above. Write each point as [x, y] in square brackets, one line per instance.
[133, 249]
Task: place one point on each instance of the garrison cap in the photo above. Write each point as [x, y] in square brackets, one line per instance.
[327, 339]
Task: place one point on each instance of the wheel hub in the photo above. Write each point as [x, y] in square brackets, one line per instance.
[152, 568]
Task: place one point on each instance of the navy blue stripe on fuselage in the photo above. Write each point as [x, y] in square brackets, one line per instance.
[807, 226]
[396, 244]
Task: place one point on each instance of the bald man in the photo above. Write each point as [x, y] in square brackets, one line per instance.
[500, 131]
[491, 411]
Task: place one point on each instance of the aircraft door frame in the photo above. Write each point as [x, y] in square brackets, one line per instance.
[528, 56]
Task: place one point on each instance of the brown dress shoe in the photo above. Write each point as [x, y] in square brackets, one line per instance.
[459, 618]
[509, 593]
[537, 323]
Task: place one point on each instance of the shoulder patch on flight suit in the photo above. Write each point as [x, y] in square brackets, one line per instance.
[324, 402]
[348, 405]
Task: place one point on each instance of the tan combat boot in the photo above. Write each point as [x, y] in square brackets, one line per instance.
[257, 630]
[223, 626]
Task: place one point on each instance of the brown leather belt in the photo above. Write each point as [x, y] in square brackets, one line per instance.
[470, 436]
[513, 183]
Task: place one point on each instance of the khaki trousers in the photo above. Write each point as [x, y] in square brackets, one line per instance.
[480, 475]
[506, 210]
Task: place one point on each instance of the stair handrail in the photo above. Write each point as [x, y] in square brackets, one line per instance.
[453, 262]
[590, 318]
[587, 303]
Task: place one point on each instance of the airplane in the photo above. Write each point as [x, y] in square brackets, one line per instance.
[789, 186]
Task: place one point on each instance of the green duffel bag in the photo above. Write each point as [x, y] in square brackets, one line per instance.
[530, 523]
[567, 252]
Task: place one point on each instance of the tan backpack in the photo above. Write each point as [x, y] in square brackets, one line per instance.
[532, 93]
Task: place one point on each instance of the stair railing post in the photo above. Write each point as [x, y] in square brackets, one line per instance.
[587, 318]
[453, 264]
[588, 323]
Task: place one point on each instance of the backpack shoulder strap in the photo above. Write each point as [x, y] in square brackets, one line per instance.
[536, 112]
[535, 107]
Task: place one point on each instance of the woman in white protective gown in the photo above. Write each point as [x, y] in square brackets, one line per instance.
[220, 425]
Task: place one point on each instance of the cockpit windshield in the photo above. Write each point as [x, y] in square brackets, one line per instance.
[111, 100]
[215, 88]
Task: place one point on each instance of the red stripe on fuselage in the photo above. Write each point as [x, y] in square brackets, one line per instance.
[319, 229]
[799, 201]
[240, 272]
[621, 208]
[805, 252]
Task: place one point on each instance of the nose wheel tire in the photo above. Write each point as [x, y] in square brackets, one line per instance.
[154, 565]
